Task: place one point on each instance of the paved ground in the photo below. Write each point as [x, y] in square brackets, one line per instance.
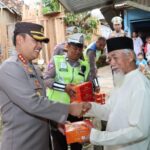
[105, 79]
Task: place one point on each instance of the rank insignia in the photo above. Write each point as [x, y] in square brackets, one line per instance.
[37, 83]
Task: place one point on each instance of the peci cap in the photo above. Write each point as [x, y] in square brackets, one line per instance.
[119, 43]
[36, 31]
[77, 39]
[116, 20]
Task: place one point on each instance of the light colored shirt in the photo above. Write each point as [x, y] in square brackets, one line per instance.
[137, 43]
[148, 48]
[127, 112]
[148, 52]
[117, 34]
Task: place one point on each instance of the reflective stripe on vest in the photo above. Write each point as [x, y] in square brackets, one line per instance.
[66, 74]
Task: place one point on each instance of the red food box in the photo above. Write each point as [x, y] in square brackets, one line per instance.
[84, 92]
[76, 131]
[100, 98]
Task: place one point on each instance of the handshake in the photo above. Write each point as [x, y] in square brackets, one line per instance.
[79, 109]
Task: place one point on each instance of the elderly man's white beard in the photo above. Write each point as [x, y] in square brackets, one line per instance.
[118, 78]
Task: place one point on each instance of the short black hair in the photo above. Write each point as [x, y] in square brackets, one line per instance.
[140, 53]
[101, 38]
[148, 37]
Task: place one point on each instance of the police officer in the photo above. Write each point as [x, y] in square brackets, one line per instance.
[92, 54]
[25, 109]
[62, 48]
[62, 74]
[117, 25]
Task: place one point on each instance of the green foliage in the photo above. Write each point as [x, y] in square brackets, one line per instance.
[84, 21]
[50, 6]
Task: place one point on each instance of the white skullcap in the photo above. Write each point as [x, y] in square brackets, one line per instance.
[116, 20]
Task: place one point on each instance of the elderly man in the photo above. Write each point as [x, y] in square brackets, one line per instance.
[117, 25]
[25, 109]
[128, 107]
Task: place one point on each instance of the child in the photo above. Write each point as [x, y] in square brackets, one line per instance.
[140, 60]
[147, 47]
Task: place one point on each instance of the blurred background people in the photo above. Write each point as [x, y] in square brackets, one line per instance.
[137, 43]
[92, 54]
[117, 25]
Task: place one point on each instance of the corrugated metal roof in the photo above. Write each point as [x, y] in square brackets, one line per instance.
[83, 5]
[141, 4]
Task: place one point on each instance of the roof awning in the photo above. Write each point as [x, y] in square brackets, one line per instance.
[77, 6]
[140, 4]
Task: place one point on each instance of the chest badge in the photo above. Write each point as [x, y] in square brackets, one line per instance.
[63, 66]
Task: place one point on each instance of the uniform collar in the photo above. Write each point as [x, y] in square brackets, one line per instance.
[67, 59]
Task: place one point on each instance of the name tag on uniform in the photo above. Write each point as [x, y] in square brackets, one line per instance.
[63, 67]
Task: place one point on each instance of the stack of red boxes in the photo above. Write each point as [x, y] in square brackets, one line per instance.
[84, 92]
[76, 131]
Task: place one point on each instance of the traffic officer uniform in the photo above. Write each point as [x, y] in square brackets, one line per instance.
[62, 71]
[25, 109]
[121, 33]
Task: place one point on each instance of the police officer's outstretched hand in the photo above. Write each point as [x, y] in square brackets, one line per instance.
[70, 90]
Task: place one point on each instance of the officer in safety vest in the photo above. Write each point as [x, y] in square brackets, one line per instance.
[117, 25]
[92, 54]
[63, 72]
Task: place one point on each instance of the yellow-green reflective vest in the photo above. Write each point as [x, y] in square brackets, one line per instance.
[66, 74]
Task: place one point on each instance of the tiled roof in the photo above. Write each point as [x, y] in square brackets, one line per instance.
[14, 6]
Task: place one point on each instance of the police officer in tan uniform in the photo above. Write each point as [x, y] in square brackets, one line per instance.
[117, 25]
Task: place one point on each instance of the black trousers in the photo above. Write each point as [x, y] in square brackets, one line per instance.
[59, 139]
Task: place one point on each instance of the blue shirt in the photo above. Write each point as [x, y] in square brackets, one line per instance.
[143, 61]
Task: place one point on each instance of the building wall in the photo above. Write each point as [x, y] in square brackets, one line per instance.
[132, 16]
[7, 20]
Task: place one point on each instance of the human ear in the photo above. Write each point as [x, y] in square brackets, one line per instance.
[131, 56]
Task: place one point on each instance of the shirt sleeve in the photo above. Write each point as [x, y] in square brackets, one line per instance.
[138, 120]
[58, 51]
[49, 74]
[141, 42]
[99, 111]
[19, 90]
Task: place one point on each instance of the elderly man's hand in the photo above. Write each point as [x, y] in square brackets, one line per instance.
[79, 109]
[86, 139]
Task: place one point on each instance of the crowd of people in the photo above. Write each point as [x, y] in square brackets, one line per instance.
[35, 106]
